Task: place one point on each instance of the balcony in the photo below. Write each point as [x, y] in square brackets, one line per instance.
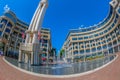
[27, 47]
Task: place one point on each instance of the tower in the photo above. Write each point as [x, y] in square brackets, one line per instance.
[30, 50]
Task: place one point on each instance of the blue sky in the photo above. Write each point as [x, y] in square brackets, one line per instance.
[61, 15]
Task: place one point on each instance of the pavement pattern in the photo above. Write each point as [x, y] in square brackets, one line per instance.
[110, 72]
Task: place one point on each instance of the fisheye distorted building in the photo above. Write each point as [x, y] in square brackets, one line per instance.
[11, 35]
[11, 29]
[99, 40]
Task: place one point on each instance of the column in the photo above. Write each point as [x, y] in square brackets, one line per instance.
[72, 52]
[0, 19]
[117, 41]
[95, 44]
[4, 29]
[26, 58]
[90, 47]
[78, 49]
[84, 52]
[112, 43]
[32, 58]
[20, 56]
[11, 30]
[107, 45]
[39, 21]
[15, 44]
[101, 43]
[47, 53]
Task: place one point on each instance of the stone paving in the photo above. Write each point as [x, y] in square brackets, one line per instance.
[110, 72]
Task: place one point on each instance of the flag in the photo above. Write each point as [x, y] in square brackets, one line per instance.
[23, 35]
[43, 58]
[39, 35]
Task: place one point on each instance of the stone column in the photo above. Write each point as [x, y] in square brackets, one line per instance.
[20, 56]
[4, 28]
[39, 22]
[26, 58]
[32, 58]
[72, 52]
[90, 47]
[78, 49]
[107, 45]
[116, 40]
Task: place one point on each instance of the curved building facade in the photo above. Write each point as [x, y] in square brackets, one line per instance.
[11, 36]
[96, 41]
[11, 29]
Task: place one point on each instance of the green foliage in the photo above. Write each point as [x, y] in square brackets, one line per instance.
[53, 51]
[1, 45]
[62, 52]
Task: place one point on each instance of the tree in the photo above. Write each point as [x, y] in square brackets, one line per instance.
[62, 52]
[53, 52]
[1, 46]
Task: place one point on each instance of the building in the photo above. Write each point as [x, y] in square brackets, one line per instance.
[99, 40]
[11, 29]
[11, 35]
[45, 44]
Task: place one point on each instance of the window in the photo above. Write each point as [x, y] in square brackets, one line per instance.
[91, 36]
[99, 48]
[118, 39]
[45, 41]
[7, 30]
[88, 50]
[105, 31]
[109, 28]
[4, 21]
[86, 37]
[113, 25]
[96, 35]
[1, 25]
[110, 45]
[119, 10]
[113, 37]
[80, 38]
[9, 25]
[104, 47]
[76, 52]
[0, 33]
[93, 49]
[45, 36]
[109, 39]
[5, 36]
[115, 21]
[115, 42]
[74, 38]
[101, 33]
[117, 16]
[82, 51]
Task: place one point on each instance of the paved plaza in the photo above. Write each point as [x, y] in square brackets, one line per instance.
[110, 72]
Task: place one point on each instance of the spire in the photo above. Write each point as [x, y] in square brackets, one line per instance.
[6, 8]
[44, 1]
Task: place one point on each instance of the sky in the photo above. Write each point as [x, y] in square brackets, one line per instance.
[61, 15]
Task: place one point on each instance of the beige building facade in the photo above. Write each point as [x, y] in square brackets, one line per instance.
[99, 40]
[11, 36]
